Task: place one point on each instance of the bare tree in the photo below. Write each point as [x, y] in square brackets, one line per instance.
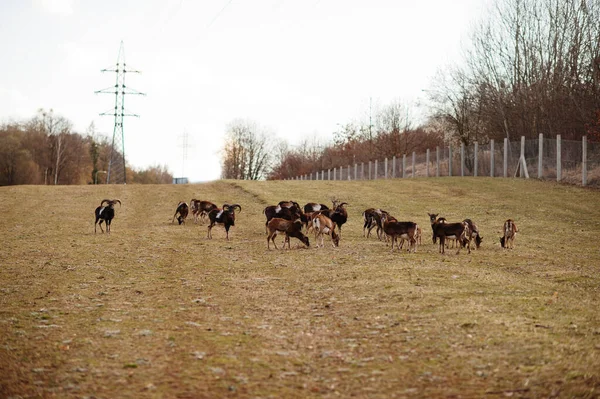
[56, 128]
[533, 66]
[246, 154]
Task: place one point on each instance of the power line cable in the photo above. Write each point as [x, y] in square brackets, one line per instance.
[218, 14]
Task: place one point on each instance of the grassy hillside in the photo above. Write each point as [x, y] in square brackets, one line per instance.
[157, 310]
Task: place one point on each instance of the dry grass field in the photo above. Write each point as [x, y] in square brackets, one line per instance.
[155, 310]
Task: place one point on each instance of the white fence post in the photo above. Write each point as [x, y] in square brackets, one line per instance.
[476, 159]
[492, 156]
[540, 155]
[349, 173]
[386, 168]
[584, 161]
[334, 174]
[376, 168]
[558, 159]
[437, 161]
[328, 174]
[394, 167]
[462, 159]
[414, 160]
[427, 163]
[362, 171]
[521, 163]
[450, 159]
[403, 165]
[506, 157]
[355, 171]
[370, 170]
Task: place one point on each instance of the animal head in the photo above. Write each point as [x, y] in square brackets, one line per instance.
[432, 217]
[478, 240]
[231, 208]
[340, 206]
[336, 238]
[109, 202]
[180, 219]
[305, 241]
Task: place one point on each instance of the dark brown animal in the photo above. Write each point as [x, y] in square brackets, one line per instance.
[474, 232]
[458, 231]
[225, 216]
[105, 213]
[403, 230]
[200, 209]
[182, 210]
[510, 231]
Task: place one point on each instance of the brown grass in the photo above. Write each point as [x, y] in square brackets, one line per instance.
[155, 310]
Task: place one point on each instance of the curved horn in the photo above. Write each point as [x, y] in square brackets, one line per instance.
[342, 204]
[105, 200]
[226, 207]
[236, 206]
[116, 200]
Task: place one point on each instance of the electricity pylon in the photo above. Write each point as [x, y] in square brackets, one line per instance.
[116, 163]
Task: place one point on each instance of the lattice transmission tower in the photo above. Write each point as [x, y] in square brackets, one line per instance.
[116, 164]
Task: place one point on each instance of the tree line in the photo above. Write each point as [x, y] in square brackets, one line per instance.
[46, 150]
[530, 67]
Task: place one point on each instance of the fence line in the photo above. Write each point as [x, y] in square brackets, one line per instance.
[576, 162]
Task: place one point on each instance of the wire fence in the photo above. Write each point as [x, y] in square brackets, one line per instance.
[568, 161]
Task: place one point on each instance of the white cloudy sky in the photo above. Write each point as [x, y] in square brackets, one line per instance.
[297, 68]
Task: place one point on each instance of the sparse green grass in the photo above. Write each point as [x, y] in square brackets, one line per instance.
[156, 310]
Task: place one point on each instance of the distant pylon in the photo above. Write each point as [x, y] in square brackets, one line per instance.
[116, 164]
[184, 145]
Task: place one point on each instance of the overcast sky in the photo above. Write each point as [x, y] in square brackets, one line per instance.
[298, 68]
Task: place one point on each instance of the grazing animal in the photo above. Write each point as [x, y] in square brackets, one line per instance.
[418, 234]
[510, 231]
[458, 231]
[338, 214]
[182, 210]
[276, 211]
[225, 216]
[290, 228]
[105, 213]
[307, 219]
[369, 221]
[403, 230]
[194, 204]
[200, 209]
[372, 218]
[474, 232]
[433, 218]
[324, 225]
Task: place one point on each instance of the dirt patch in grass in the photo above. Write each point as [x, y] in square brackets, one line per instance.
[157, 310]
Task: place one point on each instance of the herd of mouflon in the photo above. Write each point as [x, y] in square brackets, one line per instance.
[292, 220]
